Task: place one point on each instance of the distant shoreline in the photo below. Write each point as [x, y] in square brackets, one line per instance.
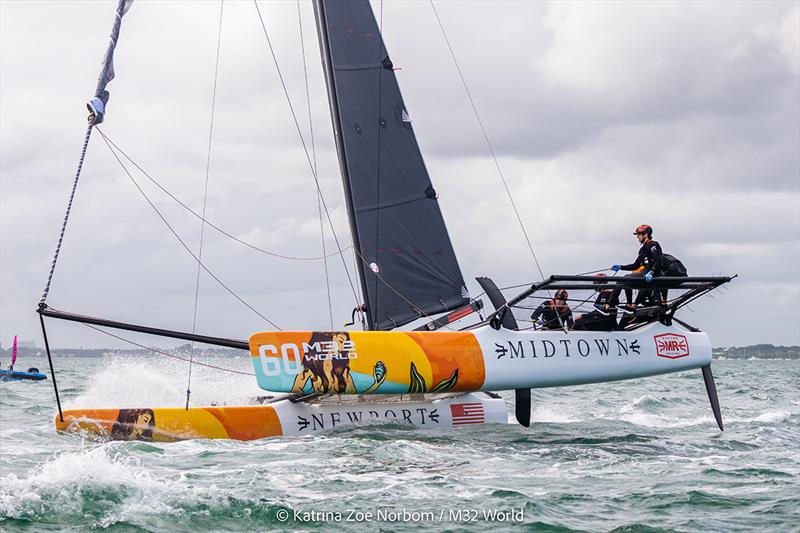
[182, 350]
[755, 351]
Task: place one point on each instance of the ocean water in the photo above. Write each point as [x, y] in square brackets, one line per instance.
[641, 455]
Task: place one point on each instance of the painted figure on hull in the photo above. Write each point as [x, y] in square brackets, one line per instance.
[326, 365]
[134, 424]
[326, 368]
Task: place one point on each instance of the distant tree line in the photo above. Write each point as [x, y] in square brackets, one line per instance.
[758, 351]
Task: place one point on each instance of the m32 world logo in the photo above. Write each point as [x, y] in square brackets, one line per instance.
[293, 357]
[671, 345]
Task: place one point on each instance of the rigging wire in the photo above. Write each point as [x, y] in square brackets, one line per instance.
[531, 283]
[593, 272]
[46, 289]
[316, 180]
[356, 256]
[420, 312]
[491, 150]
[314, 155]
[205, 201]
[208, 222]
[185, 246]
[162, 352]
[520, 285]
[305, 149]
[488, 142]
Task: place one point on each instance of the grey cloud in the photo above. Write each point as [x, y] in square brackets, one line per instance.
[557, 102]
[684, 118]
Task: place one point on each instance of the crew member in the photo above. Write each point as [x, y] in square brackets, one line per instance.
[604, 315]
[647, 265]
[555, 313]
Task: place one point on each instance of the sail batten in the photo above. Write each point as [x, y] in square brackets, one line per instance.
[407, 264]
[365, 66]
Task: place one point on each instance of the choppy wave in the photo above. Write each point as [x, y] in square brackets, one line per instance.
[643, 455]
[101, 477]
[155, 381]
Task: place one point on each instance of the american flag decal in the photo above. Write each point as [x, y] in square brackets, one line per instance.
[467, 413]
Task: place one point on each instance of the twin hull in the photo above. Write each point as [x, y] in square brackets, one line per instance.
[409, 364]
[280, 418]
[482, 359]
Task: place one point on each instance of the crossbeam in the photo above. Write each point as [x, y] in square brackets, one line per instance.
[695, 286]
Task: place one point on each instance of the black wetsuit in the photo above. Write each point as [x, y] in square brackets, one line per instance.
[597, 321]
[548, 311]
[649, 259]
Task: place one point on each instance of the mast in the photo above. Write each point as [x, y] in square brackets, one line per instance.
[327, 67]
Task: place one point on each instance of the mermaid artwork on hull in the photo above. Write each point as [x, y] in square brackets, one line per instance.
[134, 424]
[326, 365]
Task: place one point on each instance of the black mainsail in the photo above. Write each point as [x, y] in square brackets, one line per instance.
[406, 263]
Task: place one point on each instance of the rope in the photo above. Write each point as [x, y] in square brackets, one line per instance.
[206, 221]
[595, 272]
[305, 148]
[205, 201]
[314, 155]
[488, 143]
[185, 246]
[46, 289]
[156, 350]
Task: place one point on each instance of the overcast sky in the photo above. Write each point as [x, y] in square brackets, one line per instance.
[605, 115]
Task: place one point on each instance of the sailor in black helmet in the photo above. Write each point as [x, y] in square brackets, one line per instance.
[648, 264]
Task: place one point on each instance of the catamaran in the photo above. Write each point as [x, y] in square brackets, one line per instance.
[444, 373]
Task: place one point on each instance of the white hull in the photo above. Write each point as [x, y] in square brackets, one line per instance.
[482, 359]
[432, 412]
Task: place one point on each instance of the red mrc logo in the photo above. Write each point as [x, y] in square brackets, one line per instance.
[671, 345]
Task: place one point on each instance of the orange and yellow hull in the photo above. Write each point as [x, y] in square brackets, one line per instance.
[174, 423]
[281, 418]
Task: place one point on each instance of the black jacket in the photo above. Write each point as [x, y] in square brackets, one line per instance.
[548, 310]
[600, 318]
[607, 297]
[649, 259]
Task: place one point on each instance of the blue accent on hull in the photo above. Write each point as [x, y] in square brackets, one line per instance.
[6, 375]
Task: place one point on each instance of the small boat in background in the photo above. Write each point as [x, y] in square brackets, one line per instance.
[10, 374]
